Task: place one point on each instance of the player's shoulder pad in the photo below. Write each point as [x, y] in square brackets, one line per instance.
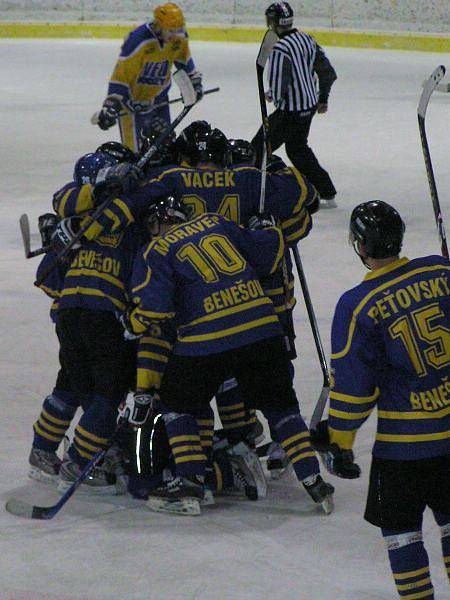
[137, 37]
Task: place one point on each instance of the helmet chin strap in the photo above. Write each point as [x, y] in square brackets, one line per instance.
[362, 258]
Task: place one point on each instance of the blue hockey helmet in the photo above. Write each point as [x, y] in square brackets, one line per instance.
[88, 166]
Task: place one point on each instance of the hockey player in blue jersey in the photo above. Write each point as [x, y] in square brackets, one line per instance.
[142, 76]
[203, 276]
[391, 350]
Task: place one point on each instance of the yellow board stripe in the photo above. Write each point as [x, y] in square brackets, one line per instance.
[230, 331]
[376, 291]
[353, 39]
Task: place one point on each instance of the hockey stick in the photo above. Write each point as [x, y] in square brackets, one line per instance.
[191, 101]
[94, 118]
[321, 403]
[24, 224]
[30, 511]
[428, 89]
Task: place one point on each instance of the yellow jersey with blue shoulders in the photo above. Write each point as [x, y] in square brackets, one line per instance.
[143, 70]
[391, 349]
[203, 276]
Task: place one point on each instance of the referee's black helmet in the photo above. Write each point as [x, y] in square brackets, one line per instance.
[280, 15]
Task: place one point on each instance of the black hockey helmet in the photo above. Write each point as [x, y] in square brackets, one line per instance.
[280, 15]
[378, 227]
[166, 154]
[186, 137]
[118, 151]
[208, 146]
[166, 209]
[87, 167]
[241, 152]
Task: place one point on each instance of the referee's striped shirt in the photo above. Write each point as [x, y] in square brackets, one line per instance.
[291, 72]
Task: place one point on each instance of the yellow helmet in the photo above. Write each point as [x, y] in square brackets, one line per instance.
[169, 16]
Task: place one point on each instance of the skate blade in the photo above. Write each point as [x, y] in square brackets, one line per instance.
[39, 475]
[327, 505]
[186, 506]
[106, 490]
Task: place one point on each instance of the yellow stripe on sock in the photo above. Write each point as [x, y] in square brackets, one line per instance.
[409, 574]
[193, 457]
[90, 436]
[53, 419]
[294, 438]
[45, 435]
[302, 456]
[413, 585]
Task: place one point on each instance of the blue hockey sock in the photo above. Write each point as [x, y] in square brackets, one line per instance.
[184, 440]
[53, 422]
[443, 521]
[409, 563]
[292, 433]
[94, 429]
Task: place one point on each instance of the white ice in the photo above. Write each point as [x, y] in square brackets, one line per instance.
[117, 550]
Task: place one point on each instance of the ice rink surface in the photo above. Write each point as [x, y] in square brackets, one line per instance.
[115, 549]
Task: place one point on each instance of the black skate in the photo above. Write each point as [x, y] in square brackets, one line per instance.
[277, 461]
[44, 465]
[97, 482]
[321, 492]
[181, 496]
[248, 475]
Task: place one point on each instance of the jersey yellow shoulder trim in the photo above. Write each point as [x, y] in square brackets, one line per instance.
[387, 269]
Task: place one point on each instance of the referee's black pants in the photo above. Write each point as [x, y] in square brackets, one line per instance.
[292, 129]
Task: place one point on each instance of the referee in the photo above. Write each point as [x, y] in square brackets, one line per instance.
[294, 63]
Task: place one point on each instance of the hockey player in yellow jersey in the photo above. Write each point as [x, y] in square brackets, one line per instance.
[142, 76]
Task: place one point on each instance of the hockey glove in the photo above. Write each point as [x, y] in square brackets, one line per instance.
[125, 176]
[64, 232]
[260, 221]
[337, 461]
[110, 112]
[125, 321]
[196, 80]
[47, 224]
[137, 408]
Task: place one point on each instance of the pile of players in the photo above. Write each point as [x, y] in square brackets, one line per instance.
[181, 290]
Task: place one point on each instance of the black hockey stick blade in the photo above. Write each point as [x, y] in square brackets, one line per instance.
[269, 41]
[429, 87]
[24, 224]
